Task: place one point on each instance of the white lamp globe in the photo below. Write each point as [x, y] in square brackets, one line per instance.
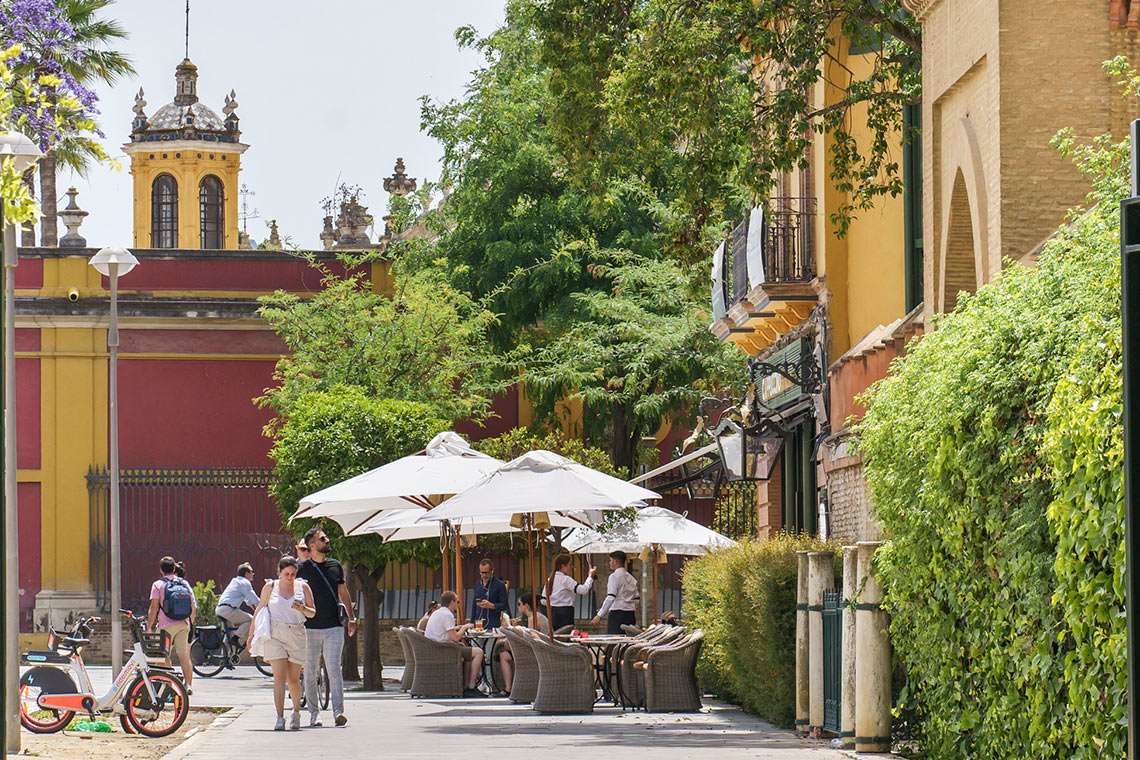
[17, 147]
[103, 260]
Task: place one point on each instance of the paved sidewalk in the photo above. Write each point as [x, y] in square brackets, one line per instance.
[392, 725]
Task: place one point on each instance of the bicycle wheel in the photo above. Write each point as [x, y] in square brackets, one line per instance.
[207, 662]
[163, 715]
[39, 681]
[323, 688]
[262, 666]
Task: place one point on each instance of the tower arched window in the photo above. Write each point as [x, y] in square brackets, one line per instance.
[164, 212]
[211, 205]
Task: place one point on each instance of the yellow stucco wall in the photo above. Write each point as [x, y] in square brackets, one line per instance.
[188, 162]
[73, 433]
[865, 271]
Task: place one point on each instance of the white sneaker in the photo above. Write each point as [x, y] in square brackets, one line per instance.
[295, 721]
[315, 720]
[280, 725]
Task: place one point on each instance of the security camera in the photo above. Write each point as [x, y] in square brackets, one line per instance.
[73, 294]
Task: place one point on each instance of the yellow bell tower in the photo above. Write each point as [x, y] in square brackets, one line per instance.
[185, 161]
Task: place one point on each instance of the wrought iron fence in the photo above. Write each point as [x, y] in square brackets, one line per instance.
[212, 519]
[735, 514]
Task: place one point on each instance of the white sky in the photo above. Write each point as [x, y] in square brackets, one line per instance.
[325, 89]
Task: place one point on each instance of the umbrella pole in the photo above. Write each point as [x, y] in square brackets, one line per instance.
[550, 590]
[653, 599]
[459, 575]
[445, 554]
[533, 574]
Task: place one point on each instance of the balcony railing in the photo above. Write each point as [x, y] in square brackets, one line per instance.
[773, 244]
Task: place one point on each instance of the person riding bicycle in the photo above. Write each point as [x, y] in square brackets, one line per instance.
[172, 608]
[237, 602]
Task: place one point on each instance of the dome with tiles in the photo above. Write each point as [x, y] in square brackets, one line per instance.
[185, 118]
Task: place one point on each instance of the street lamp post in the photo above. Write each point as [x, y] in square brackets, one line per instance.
[113, 263]
[1130, 306]
[23, 154]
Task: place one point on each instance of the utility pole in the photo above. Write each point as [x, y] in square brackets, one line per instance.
[1130, 305]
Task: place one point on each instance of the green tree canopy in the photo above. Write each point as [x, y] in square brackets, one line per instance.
[720, 93]
[427, 342]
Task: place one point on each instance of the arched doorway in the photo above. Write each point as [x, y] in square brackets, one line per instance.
[961, 269]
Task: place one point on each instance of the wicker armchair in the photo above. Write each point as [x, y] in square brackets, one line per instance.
[438, 667]
[565, 677]
[631, 680]
[409, 659]
[524, 687]
[671, 676]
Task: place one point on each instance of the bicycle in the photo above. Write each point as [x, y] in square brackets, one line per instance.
[149, 699]
[213, 651]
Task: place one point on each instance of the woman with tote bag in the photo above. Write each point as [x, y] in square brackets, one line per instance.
[278, 635]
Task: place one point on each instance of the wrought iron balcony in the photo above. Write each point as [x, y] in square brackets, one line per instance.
[774, 244]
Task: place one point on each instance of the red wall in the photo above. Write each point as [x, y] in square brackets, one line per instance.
[27, 401]
[193, 413]
[221, 273]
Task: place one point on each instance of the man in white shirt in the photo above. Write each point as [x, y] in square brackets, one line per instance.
[239, 591]
[441, 627]
[621, 596]
[562, 588]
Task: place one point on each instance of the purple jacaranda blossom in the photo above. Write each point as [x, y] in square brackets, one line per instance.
[46, 41]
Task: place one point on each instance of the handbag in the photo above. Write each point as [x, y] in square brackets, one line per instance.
[341, 610]
[262, 631]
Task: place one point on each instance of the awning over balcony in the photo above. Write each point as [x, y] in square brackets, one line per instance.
[691, 456]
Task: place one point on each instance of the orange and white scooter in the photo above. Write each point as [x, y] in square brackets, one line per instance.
[149, 700]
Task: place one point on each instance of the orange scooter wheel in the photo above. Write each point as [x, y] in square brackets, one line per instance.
[163, 715]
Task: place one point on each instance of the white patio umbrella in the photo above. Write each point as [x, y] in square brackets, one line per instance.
[652, 527]
[414, 483]
[531, 489]
[405, 525]
[653, 533]
[446, 466]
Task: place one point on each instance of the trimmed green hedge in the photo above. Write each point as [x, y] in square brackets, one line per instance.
[993, 452]
[744, 598]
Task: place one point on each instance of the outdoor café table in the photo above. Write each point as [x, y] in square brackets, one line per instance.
[485, 640]
[605, 670]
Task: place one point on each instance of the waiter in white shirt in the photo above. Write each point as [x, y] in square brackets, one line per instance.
[622, 596]
[237, 602]
[561, 588]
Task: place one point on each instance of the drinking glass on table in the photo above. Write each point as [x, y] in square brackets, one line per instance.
[479, 625]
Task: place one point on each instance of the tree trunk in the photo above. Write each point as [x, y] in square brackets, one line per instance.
[624, 435]
[49, 230]
[373, 666]
[350, 659]
[28, 232]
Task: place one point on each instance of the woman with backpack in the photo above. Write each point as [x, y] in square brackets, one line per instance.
[172, 607]
[278, 635]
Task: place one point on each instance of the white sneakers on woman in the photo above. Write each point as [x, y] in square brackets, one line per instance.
[294, 722]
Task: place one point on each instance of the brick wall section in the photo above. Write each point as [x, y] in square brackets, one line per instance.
[769, 520]
[849, 502]
[1000, 78]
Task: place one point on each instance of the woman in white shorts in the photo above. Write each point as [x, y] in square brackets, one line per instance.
[289, 602]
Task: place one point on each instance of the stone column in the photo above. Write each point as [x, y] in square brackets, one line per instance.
[801, 642]
[850, 588]
[821, 577]
[872, 660]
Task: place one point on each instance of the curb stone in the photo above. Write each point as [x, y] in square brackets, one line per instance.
[220, 722]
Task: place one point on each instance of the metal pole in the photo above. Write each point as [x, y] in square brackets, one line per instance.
[113, 412]
[1130, 305]
[11, 506]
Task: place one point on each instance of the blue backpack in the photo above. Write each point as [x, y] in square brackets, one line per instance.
[177, 599]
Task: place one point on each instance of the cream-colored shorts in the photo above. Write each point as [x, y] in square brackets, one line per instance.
[288, 642]
[179, 635]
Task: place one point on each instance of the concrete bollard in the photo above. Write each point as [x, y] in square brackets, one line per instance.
[850, 588]
[821, 577]
[872, 659]
[801, 642]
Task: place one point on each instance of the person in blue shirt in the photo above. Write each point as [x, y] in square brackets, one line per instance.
[490, 597]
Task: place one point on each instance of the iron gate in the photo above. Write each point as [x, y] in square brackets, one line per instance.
[832, 660]
[213, 519]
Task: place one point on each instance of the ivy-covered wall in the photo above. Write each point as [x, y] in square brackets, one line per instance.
[994, 453]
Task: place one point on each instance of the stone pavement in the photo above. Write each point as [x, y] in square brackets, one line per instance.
[393, 725]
